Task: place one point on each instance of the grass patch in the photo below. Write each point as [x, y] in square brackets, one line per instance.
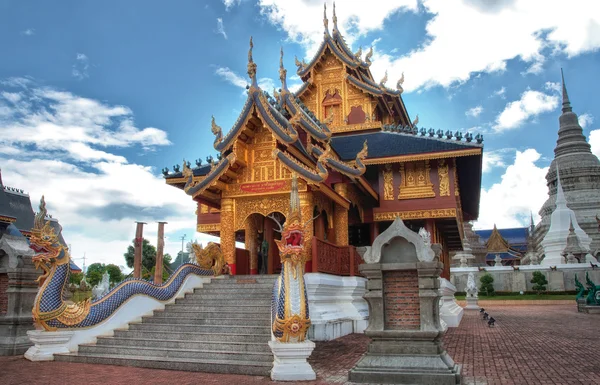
[530, 297]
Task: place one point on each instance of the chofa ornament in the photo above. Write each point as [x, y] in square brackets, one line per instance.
[51, 311]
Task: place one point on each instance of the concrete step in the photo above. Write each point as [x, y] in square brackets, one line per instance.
[196, 354]
[232, 292]
[243, 308]
[192, 319]
[238, 285]
[217, 329]
[220, 295]
[233, 314]
[225, 301]
[194, 336]
[256, 368]
[234, 346]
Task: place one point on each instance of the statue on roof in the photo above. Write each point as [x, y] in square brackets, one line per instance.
[217, 131]
[251, 63]
[358, 54]
[282, 70]
[399, 83]
[369, 56]
[384, 79]
[416, 121]
[299, 64]
[325, 21]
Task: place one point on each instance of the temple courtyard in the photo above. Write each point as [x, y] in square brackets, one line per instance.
[543, 344]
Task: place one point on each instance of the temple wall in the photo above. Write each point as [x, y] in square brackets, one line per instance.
[507, 279]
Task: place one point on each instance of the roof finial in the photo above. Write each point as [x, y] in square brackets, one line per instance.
[251, 65]
[282, 71]
[566, 104]
[369, 56]
[416, 121]
[384, 79]
[334, 18]
[325, 21]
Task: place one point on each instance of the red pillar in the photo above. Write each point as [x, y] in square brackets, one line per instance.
[160, 245]
[137, 255]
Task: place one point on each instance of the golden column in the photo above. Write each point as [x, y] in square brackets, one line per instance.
[250, 241]
[306, 208]
[340, 217]
[227, 233]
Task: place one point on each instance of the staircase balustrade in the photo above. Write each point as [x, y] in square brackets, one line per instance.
[333, 259]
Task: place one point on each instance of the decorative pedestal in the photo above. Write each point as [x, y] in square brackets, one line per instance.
[46, 344]
[472, 303]
[290, 361]
[402, 270]
[450, 312]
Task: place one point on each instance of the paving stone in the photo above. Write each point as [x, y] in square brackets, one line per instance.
[530, 345]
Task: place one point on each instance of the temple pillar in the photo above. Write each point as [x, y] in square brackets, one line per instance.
[228, 233]
[268, 235]
[138, 244]
[374, 229]
[250, 241]
[160, 246]
[307, 209]
[340, 217]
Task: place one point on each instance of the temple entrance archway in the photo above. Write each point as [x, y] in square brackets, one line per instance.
[260, 234]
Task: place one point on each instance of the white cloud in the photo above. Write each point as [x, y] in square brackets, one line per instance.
[231, 3]
[516, 113]
[231, 77]
[595, 142]
[81, 67]
[495, 158]
[461, 35]
[586, 120]
[474, 112]
[28, 32]
[521, 190]
[62, 145]
[500, 93]
[221, 28]
[553, 86]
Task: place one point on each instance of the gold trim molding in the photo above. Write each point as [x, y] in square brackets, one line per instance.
[208, 227]
[428, 156]
[417, 214]
[443, 178]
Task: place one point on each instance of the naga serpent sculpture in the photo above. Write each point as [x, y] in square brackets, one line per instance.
[289, 305]
[210, 257]
[51, 311]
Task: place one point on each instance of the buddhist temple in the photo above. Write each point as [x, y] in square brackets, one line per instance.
[361, 162]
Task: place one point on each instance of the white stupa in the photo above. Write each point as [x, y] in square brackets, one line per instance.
[555, 240]
[465, 255]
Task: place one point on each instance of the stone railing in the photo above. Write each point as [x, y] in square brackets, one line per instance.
[333, 259]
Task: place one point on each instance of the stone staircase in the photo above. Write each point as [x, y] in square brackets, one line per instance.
[222, 327]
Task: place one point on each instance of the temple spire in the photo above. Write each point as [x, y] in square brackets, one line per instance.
[282, 71]
[252, 65]
[325, 21]
[566, 104]
[334, 18]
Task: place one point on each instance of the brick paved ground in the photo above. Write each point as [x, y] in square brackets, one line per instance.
[529, 345]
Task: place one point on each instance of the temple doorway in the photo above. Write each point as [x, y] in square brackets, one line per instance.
[260, 235]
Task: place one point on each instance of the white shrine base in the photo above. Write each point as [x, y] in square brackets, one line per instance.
[450, 312]
[336, 306]
[46, 343]
[289, 363]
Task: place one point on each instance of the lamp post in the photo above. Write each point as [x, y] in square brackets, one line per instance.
[181, 260]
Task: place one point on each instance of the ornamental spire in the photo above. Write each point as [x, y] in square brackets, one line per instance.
[560, 195]
[252, 65]
[325, 21]
[282, 71]
[566, 104]
[334, 18]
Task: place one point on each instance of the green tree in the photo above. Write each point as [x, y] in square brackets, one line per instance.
[148, 257]
[487, 285]
[94, 272]
[539, 281]
[75, 278]
[114, 272]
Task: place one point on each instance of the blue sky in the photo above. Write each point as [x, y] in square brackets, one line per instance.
[97, 97]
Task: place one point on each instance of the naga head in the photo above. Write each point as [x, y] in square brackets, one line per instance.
[291, 245]
[45, 241]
